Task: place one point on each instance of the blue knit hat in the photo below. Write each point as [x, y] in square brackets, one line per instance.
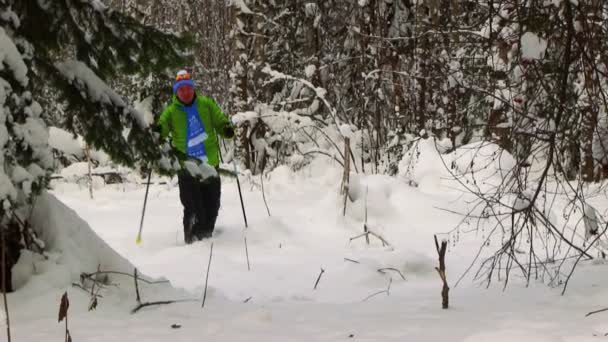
[182, 78]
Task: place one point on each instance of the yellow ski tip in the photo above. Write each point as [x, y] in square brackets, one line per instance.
[138, 240]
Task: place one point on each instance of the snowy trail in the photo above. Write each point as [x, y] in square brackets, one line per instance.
[287, 250]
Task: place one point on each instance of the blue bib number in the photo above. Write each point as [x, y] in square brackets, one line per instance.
[196, 135]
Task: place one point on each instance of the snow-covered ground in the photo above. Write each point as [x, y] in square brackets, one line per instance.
[275, 300]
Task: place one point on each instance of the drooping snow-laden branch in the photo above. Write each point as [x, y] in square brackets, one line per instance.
[319, 92]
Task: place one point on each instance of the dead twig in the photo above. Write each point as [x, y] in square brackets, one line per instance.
[346, 175]
[441, 270]
[369, 232]
[162, 302]
[247, 253]
[90, 276]
[382, 270]
[319, 278]
[351, 260]
[374, 295]
[63, 313]
[264, 193]
[365, 229]
[4, 265]
[138, 298]
[595, 312]
[207, 278]
[387, 291]
[86, 290]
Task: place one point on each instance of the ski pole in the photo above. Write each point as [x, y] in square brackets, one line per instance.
[143, 212]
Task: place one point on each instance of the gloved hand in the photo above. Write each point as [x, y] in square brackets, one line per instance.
[228, 132]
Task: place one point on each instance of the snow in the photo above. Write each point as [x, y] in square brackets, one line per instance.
[532, 46]
[202, 170]
[65, 142]
[98, 5]
[10, 16]
[310, 71]
[145, 107]
[306, 232]
[35, 135]
[9, 55]
[346, 131]
[240, 4]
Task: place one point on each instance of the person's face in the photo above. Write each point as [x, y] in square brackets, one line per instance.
[185, 93]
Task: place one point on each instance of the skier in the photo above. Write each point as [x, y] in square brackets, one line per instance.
[193, 122]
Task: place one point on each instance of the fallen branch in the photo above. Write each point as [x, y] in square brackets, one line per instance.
[247, 300]
[319, 278]
[207, 278]
[382, 270]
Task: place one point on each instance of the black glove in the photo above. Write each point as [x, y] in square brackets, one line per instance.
[228, 132]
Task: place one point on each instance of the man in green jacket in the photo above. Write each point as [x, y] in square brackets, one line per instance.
[193, 122]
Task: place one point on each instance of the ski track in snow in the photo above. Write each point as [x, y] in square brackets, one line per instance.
[306, 233]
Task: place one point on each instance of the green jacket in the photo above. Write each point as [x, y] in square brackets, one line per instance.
[173, 122]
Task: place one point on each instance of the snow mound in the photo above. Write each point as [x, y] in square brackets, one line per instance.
[72, 247]
[482, 159]
[422, 165]
[483, 163]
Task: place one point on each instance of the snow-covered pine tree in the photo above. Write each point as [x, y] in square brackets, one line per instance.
[57, 59]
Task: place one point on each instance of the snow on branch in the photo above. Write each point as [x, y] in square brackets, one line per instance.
[79, 74]
[319, 92]
[240, 4]
[10, 56]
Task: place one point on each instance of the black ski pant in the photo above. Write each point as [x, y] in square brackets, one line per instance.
[201, 202]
